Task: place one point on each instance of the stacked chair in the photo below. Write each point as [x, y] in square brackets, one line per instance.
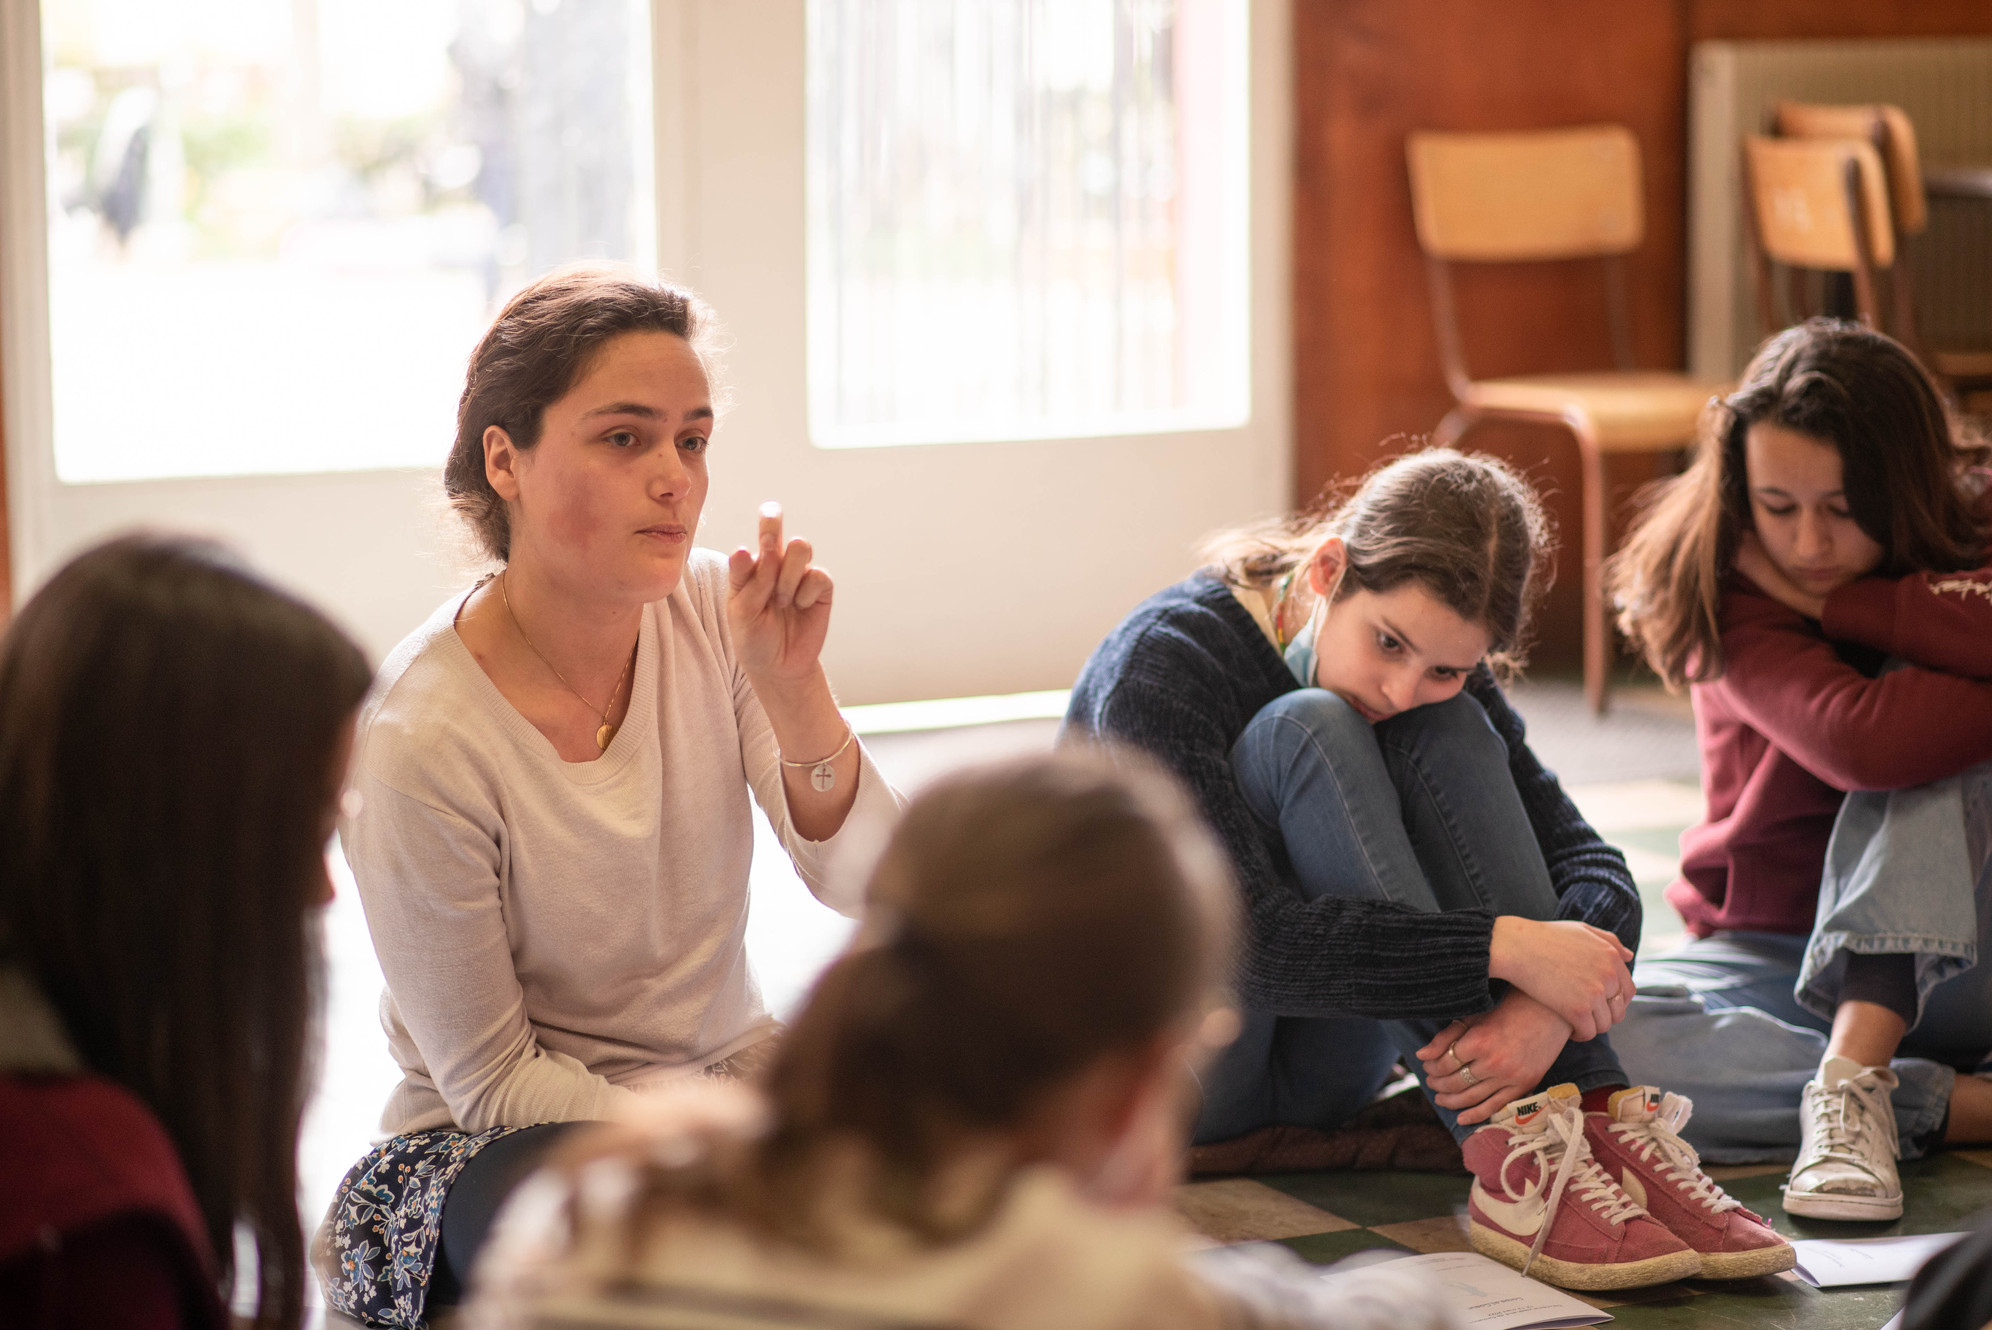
[1840, 190]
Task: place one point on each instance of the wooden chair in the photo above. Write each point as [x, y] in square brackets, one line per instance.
[1893, 135]
[1551, 194]
[1818, 205]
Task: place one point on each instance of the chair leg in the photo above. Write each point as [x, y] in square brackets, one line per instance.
[1457, 422]
[1597, 634]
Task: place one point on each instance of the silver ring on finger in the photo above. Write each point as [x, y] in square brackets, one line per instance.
[1466, 1075]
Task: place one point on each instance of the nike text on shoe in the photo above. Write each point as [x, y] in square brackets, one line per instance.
[1637, 1140]
[1847, 1148]
[1541, 1204]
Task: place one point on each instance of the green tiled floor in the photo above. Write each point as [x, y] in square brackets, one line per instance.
[1422, 1212]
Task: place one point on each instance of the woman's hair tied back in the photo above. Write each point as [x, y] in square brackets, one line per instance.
[538, 346]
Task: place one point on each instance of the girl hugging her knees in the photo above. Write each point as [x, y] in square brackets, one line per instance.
[1818, 579]
[1416, 886]
[975, 1120]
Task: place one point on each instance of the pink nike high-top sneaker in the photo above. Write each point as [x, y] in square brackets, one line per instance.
[1541, 1204]
[1637, 1141]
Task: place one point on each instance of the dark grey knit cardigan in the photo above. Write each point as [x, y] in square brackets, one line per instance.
[1181, 677]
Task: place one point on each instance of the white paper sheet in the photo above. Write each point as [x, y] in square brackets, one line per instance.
[1489, 1296]
[1833, 1262]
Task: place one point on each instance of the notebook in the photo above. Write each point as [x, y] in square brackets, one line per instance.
[1487, 1295]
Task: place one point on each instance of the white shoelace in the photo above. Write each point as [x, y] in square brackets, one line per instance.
[1576, 1168]
[1679, 1162]
[1840, 1136]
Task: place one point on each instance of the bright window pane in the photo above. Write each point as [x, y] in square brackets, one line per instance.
[1026, 218]
[278, 227]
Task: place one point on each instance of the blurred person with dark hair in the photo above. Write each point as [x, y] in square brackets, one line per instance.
[1953, 1290]
[174, 736]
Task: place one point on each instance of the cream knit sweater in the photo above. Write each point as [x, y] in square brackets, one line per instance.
[569, 1253]
[557, 935]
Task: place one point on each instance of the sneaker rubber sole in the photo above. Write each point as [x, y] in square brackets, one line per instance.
[1580, 1275]
[1748, 1264]
[1834, 1205]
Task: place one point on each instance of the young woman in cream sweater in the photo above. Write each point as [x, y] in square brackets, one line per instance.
[557, 771]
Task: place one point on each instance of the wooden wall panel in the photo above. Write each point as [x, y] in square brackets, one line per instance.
[1777, 20]
[1367, 363]
[1368, 72]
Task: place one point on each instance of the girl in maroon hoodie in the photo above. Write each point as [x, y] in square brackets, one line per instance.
[173, 743]
[1819, 578]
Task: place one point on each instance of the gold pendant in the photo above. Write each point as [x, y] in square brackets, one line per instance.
[823, 776]
[605, 736]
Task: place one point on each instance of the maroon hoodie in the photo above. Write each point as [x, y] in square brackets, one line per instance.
[1800, 717]
[98, 1227]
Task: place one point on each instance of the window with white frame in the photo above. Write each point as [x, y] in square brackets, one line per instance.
[278, 227]
[1027, 219]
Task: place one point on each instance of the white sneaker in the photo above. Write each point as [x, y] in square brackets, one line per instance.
[1847, 1147]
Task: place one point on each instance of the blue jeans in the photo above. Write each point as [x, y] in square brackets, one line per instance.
[1419, 810]
[1738, 1021]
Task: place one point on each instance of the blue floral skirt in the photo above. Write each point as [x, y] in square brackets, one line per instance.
[377, 1249]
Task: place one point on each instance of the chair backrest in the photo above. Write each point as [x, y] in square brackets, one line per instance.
[1800, 201]
[1893, 135]
[1541, 194]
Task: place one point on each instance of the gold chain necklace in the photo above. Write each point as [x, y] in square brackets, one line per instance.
[607, 733]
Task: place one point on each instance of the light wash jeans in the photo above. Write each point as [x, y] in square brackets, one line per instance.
[1420, 810]
[1738, 1021]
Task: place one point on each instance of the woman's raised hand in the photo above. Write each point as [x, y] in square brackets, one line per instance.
[1508, 1050]
[1576, 970]
[780, 607]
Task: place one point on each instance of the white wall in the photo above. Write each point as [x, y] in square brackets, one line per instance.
[961, 568]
